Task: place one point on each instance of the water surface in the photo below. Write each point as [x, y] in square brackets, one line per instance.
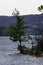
[9, 56]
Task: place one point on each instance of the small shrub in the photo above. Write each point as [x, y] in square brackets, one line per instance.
[37, 53]
[27, 51]
[21, 48]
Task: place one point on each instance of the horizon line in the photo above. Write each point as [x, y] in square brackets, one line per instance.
[23, 15]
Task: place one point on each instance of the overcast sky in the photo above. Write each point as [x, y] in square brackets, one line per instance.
[24, 6]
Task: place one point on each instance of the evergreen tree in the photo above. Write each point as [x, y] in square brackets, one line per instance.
[18, 31]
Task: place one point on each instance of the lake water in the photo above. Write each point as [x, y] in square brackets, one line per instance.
[9, 55]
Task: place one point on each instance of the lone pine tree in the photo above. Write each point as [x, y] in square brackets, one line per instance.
[18, 31]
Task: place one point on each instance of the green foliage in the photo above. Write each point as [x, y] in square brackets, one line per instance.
[18, 31]
[40, 43]
[27, 51]
[38, 49]
[22, 49]
[40, 8]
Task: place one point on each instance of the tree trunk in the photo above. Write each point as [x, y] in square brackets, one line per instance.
[20, 43]
[21, 51]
